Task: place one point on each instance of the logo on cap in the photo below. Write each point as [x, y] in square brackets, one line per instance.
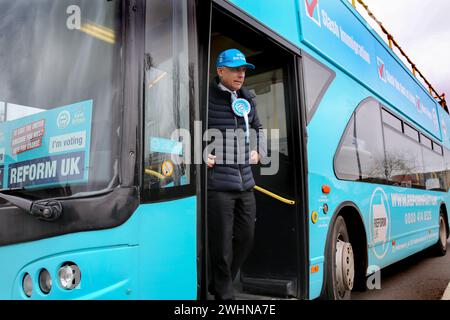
[233, 58]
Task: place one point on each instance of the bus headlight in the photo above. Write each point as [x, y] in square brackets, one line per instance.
[45, 281]
[69, 276]
[27, 285]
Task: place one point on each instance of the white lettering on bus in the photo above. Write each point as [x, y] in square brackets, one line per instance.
[330, 24]
[346, 39]
[12, 178]
[40, 171]
[50, 169]
[35, 171]
[70, 167]
[412, 200]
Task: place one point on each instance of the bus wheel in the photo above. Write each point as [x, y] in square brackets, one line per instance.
[341, 270]
[441, 245]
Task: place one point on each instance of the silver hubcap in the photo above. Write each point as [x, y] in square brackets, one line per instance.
[345, 267]
[442, 233]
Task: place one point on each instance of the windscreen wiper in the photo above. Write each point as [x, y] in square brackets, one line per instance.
[46, 209]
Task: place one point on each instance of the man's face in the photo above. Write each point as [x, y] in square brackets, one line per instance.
[232, 78]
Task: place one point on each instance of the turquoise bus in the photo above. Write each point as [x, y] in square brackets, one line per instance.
[102, 114]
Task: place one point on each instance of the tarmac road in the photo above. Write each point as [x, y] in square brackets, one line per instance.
[420, 277]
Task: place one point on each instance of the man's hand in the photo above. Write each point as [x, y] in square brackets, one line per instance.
[211, 161]
[254, 157]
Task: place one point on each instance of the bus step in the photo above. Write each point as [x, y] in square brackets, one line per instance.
[270, 287]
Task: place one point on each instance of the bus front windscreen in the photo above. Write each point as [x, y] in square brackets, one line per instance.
[60, 95]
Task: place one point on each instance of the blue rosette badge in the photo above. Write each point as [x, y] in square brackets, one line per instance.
[241, 108]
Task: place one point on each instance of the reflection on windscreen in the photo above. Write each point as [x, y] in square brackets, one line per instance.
[59, 94]
[11, 112]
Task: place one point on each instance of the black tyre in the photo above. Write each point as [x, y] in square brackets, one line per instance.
[440, 248]
[340, 263]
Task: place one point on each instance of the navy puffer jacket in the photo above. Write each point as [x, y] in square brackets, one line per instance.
[230, 173]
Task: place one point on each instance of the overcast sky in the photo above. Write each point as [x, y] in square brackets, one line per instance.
[422, 29]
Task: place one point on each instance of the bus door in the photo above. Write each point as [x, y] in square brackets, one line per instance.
[273, 265]
[276, 262]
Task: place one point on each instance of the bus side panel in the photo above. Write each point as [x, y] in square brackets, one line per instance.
[168, 250]
[444, 120]
[152, 256]
[398, 221]
[412, 222]
[412, 216]
[324, 134]
[263, 11]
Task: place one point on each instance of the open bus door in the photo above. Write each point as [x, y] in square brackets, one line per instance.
[274, 263]
[277, 264]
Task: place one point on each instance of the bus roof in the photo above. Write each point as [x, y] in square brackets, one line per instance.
[336, 31]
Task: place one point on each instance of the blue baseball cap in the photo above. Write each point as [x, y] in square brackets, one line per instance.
[233, 58]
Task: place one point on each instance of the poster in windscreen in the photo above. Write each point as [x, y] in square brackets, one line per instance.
[47, 148]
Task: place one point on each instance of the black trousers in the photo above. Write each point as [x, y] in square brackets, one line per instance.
[231, 227]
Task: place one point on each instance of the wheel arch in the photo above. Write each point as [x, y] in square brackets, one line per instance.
[443, 207]
[358, 237]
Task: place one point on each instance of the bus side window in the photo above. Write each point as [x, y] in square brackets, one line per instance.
[433, 170]
[446, 176]
[369, 134]
[347, 166]
[361, 154]
[318, 78]
[404, 160]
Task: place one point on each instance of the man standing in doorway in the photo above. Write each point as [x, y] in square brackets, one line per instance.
[231, 202]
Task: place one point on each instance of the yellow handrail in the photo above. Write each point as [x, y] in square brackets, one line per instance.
[155, 174]
[275, 196]
[262, 190]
